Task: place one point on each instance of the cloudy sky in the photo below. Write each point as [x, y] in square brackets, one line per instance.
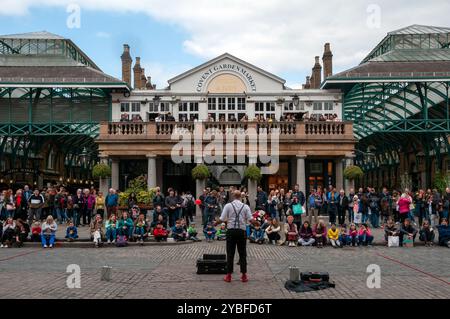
[171, 36]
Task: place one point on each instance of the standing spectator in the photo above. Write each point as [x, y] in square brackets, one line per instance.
[385, 204]
[78, 204]
[261, 199]
[35, 201]
[112, 201]
[61, 205]
[158, 200]
[21, 206]
[350, 197]
[403, 207]
[100, 204]
[272, 203]
[89, 206]
[211, 206]
[374, 205]
[171, 203]
[300, 195]
[342, 207]
[332, 202]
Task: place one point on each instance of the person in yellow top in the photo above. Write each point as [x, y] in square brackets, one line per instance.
[333, 236]
[100, 204]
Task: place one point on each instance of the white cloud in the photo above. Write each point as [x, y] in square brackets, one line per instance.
[280, 36]
[160, 72]
[101, 34]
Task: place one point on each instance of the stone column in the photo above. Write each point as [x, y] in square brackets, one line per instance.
[339, 174]
[252, 186]
[115, 174]
[200, 185]
[104, 182]
[349, 183]
[151, 171]
[301, 176]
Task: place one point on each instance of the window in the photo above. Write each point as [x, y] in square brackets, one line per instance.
[222, 103]
[270, 107]
[188, 111]
[193, 106]
[241, 103]
[183, 107]
[259, 107]
[317, 106]
[212, 104]
[152, 108]
[124, 107]
[136, 107]
[164, 106]
[231, 104]
[328, 106]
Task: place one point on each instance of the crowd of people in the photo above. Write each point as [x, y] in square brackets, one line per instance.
[281, 216]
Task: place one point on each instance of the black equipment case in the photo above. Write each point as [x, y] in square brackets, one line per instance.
[212, 264]
[315, 276]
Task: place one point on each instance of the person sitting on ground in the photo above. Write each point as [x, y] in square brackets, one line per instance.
[160, 233]
[365, 237]
[390, 229]
[222, 232]
[160, 219]
[96, 230]
[8, 232]
[71, 232]
[178, 232]
[407, 230]
[49, 228]
[426, 234]
[209, 232]
[273, 231]
[333, 236]
[352, 236]
[22, 230]
[36, 232]
[306, 235]
[257, 235]
[290, 231]
[140, 228]
[320, 234]
[444, 233]
[111, 230]
[343, 235]
[125, 226]
[192, 232]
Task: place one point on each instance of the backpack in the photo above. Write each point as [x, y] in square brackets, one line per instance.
[190, 203]
[121, 241]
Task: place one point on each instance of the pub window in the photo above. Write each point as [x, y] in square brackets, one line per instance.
[231, 103]
[317, 106]
[164, 106]
[241, 103]
[211, 103]
[288, 106]
[328, 106]
[222, 103]
[152, 108]
[183, 107]
[259, 107]
[270, 107]
[135, 107]
[193, 107]
[124, 107]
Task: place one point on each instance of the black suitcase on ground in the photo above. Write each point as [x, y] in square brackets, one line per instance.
[315, 276]
[212, 264]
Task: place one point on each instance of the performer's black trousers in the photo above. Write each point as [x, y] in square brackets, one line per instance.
[236, 237]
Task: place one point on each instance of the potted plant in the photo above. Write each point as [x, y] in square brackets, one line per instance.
[200, 172]
[353, 172]
[101, 170]
[253, 173]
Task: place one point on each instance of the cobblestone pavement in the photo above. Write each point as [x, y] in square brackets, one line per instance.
[169, 272]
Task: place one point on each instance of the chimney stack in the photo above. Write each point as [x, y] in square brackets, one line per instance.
[137, 73]
[143, 79]
[316, 78]
[327, 61]
[126, 64]
[308, 83]
[149, 85]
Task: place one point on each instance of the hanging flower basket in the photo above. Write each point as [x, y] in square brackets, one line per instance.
[353, 172]
[200, 172]
[101, 171]
[253, 173]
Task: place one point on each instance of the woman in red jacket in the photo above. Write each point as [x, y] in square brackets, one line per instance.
[403, 207]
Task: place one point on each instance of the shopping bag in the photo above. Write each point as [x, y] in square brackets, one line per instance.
[393, 241]
[298, 209]
[408, 242]
[358, 218]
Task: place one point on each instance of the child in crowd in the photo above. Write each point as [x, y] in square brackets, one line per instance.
[111, 231]
[365, 237]
[96, 229]
[390, 229]
[257, 235]
[36, 232]
[71, 232]
[160, 233]
[408, 231]
[160, 219]
[320, 234]
[222, 232]
[444, 233]
[178, 232]
[306, 235]
[352, 236]
[209, 232]
[192, 232]
[290, 230]
[426, 234]
[49, 228]
[140, 228]
[333, 236]
[343, 235]
[8, 232]
[273, 231]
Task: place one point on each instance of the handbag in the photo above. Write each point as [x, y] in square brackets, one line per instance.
[10, 207]
[393, 241]
[298, 209]
[408, 243]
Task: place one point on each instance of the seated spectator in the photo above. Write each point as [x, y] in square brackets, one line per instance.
[111, 229]
[365, 237]
[444, 233]
[222, 232]
[306, 235]
[352, 236]
[178, 232]
[273, 231]
[192, 232]
[49, 228]
[96, 230]
[8, 232]
[71, 232]
[36, 232]
[257, 235]
[407, 231]
[160, 233]
[333, 236]
[22, 230]
[140, 228]
[160, 219]
[290, 231]
[125, 226]
[320, 234]
[343, 236]
[209, 232]
[426, 234]
[390, 229]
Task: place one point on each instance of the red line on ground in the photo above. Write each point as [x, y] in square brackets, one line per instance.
[413, 268]
[19, 255]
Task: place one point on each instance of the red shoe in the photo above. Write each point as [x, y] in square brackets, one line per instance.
[244, 278]
[227, 278]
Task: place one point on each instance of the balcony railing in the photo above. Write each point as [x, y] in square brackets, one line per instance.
[287, 130]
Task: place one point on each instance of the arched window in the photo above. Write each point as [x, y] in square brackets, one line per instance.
[51, 159]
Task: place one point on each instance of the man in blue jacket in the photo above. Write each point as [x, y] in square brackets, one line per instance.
[444, 233]
[112, 201]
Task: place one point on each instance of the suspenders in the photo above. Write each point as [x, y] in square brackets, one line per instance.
[237, 221]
